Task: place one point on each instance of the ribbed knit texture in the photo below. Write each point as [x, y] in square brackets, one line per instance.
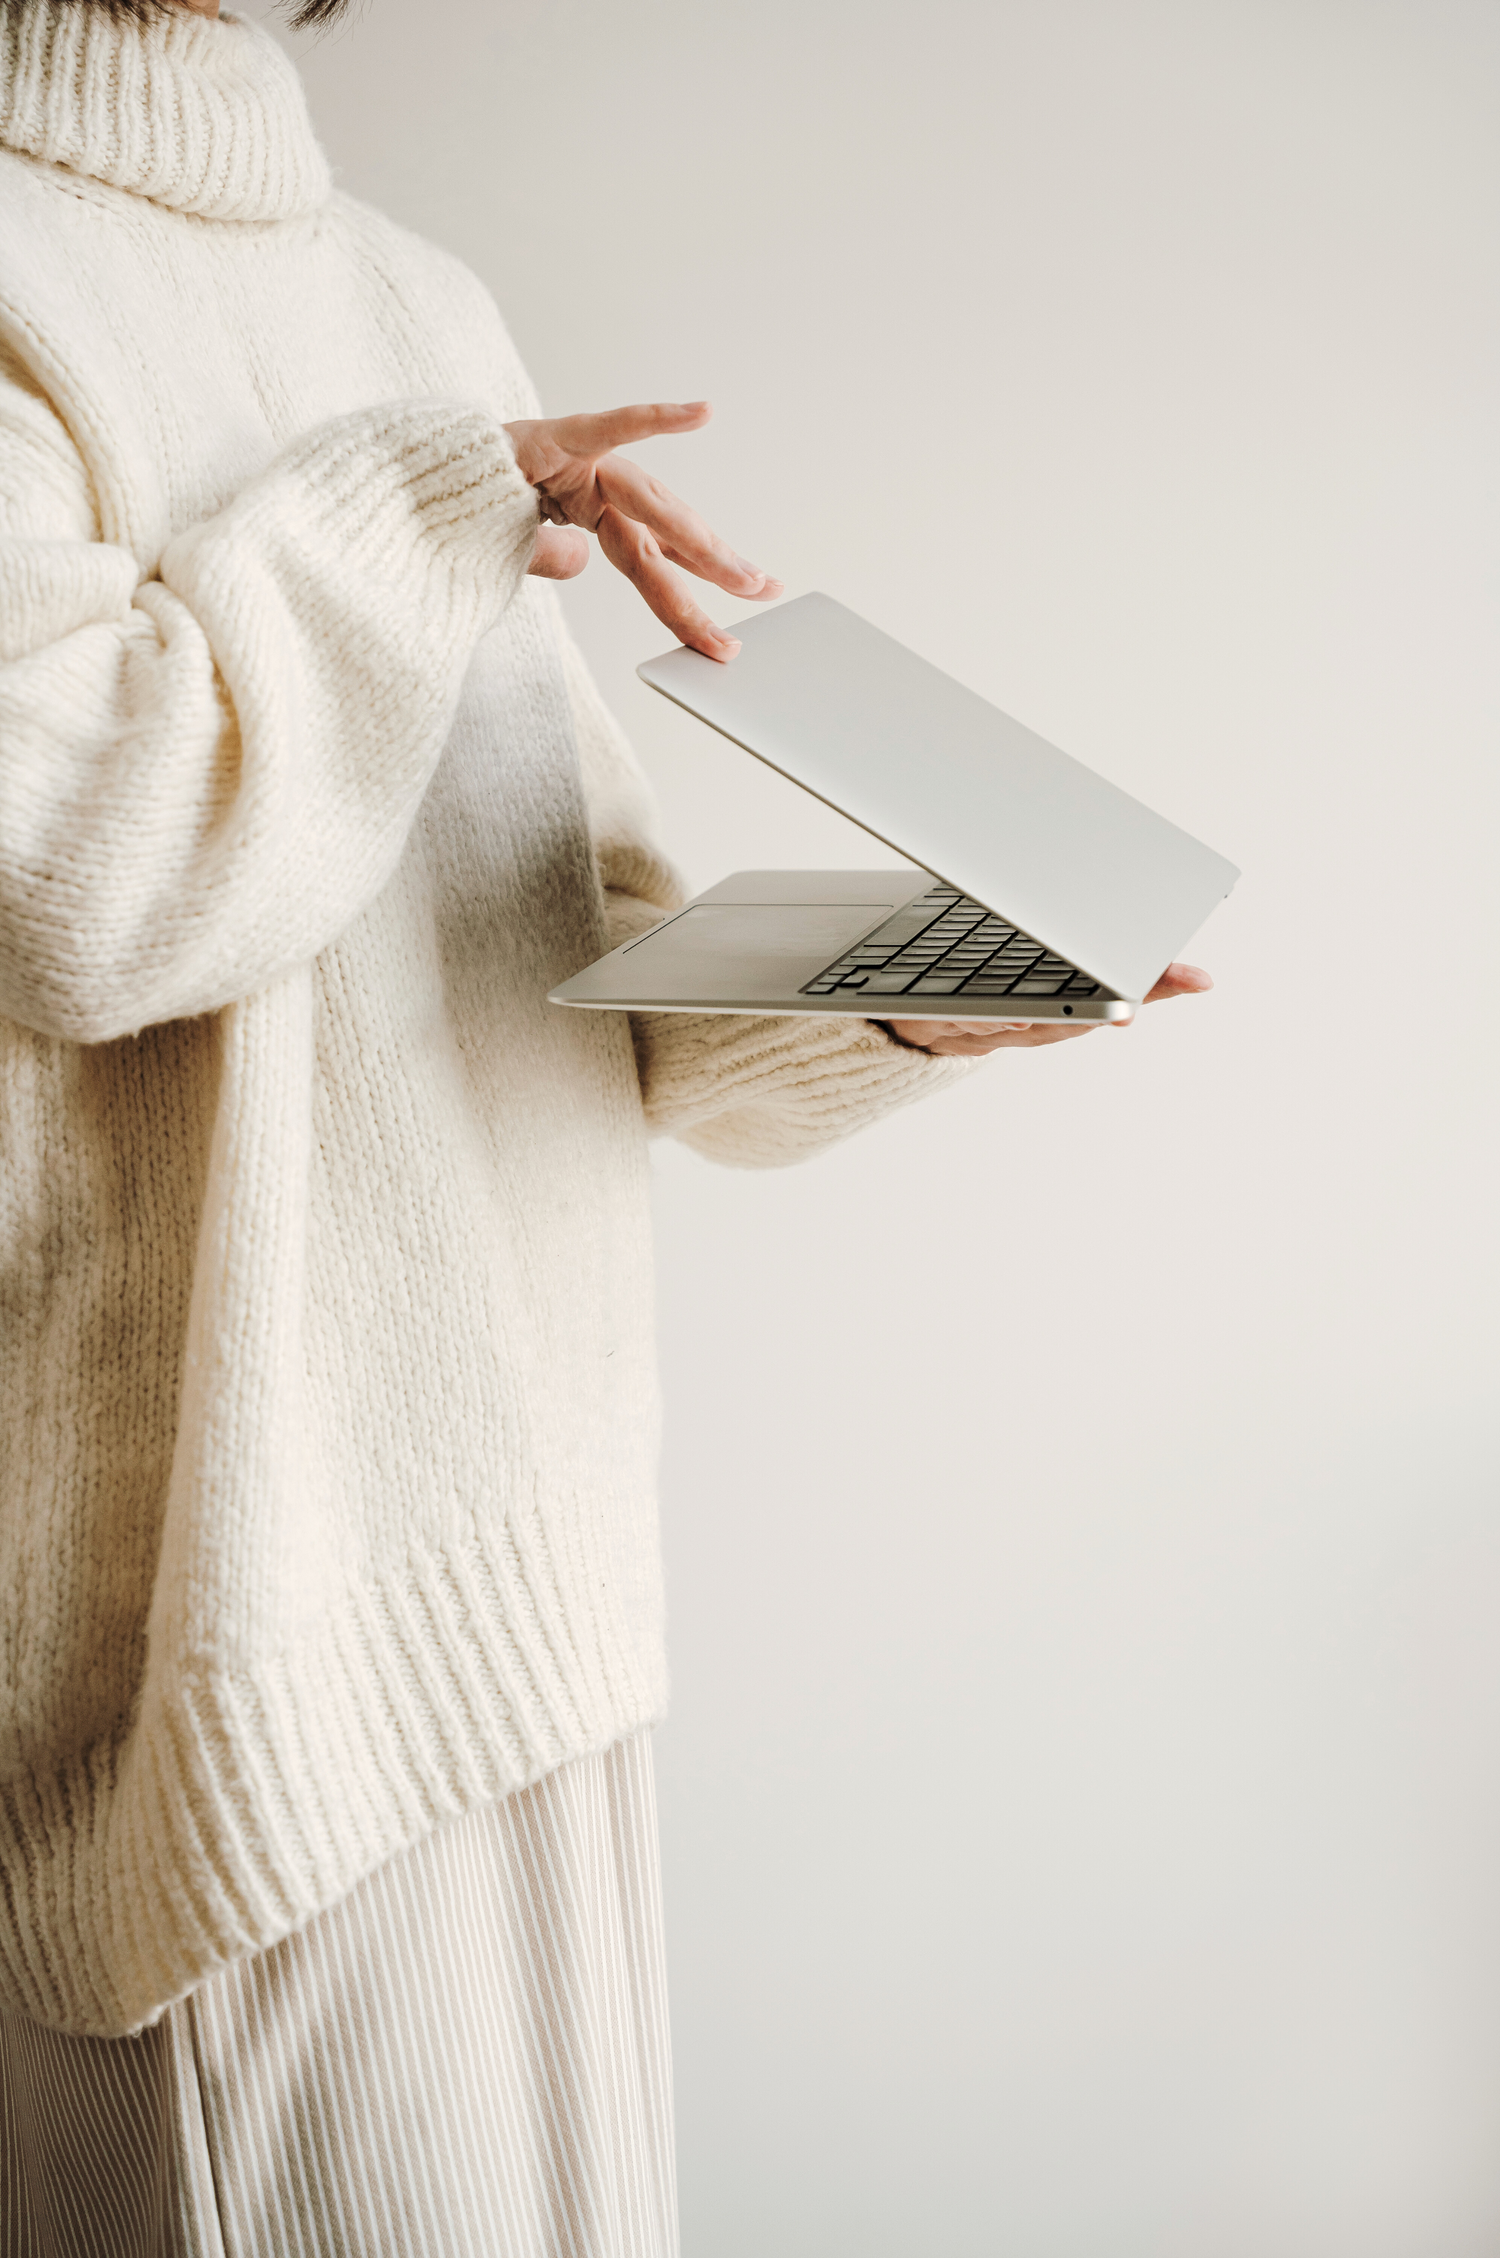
[328, 1466]
[205, 116]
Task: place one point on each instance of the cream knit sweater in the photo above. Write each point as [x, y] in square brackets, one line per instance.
[329, 1425]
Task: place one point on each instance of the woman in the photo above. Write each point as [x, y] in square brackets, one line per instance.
[331, 1610]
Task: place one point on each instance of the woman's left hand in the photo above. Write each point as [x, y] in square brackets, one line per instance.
[643, 528]
[976, 1038]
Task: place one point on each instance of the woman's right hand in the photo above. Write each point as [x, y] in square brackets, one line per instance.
[643, 528]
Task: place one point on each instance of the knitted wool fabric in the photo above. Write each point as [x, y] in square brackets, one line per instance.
[329, 1426]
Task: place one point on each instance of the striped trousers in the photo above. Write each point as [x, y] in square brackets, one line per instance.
[465, 2058]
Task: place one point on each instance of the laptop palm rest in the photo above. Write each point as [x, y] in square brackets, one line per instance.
[735, 950]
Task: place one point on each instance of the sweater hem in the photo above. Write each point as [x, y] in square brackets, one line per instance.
[240, 1803]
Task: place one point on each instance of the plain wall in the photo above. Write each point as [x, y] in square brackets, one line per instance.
[1080, 1801]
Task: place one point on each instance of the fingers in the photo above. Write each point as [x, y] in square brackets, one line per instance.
[977, 1038]
[558, 452]
[635, 552]
[1180, 980]
[679, 531]
[561, 553]
[616, 427]
[580, 481]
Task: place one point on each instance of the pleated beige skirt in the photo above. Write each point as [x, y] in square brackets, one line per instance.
[465, 2058]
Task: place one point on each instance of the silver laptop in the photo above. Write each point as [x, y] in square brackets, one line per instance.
[1044, 893]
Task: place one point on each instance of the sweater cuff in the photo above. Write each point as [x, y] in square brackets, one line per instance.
[413, 489]
[759, 1093]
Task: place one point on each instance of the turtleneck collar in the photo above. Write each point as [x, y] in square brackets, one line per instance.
[206, 116]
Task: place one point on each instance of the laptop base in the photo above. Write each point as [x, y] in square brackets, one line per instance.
[878, 944]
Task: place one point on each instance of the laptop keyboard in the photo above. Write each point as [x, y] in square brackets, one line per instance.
[947, 945]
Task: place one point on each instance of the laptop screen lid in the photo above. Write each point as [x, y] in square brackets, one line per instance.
[955, 785]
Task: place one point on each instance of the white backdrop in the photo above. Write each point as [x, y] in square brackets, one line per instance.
[1080, 1804]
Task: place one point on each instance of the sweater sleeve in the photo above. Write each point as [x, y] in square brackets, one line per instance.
[206, 774]
[752, 1092]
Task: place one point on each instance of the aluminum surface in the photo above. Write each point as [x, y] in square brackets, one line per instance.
[950, 781]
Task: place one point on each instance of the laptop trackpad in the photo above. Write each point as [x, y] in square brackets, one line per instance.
[725, 950]
[784, 929]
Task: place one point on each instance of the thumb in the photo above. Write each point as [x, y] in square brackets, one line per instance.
[561, 552]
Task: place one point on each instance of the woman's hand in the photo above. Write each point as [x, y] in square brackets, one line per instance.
[643, 528]
[976, 1038]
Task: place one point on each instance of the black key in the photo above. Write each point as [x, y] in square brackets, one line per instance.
[897, 933]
